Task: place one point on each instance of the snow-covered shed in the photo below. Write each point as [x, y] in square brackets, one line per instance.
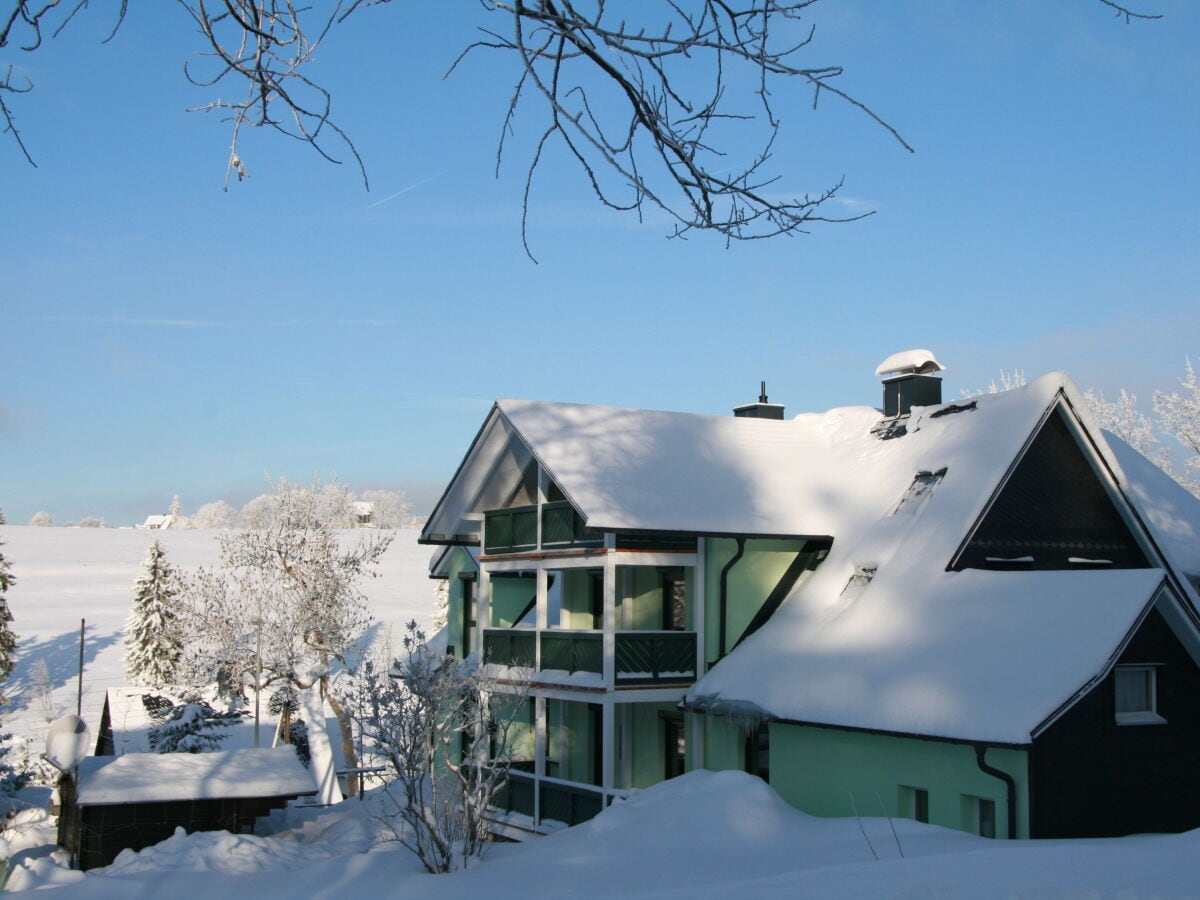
[138, 799]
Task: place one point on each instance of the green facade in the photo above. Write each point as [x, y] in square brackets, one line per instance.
[458, 564]
[830, 772]
[750, 582]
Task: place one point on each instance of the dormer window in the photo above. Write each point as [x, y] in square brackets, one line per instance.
[1136, 695]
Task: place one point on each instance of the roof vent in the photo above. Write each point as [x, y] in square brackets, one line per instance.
[760, 410]
[911, 383]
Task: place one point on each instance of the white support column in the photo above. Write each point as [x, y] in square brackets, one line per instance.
[610, 610]
[695, 740]
[625, 593]
[483, 608]
[543, 483]
[699, 602]
[608, 744]
[608, 737]
[624, 717]
[542, 611]
[540, 739]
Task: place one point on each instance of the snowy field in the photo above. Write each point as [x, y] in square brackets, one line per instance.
[705, 835]
[67, 574]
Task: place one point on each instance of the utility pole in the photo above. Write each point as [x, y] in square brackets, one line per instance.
[79, 692]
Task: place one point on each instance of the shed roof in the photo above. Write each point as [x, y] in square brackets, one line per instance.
[160, 777]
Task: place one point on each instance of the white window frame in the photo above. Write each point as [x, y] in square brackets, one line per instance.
[1138, 716]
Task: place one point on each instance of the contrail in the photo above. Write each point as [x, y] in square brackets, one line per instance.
[411, 187]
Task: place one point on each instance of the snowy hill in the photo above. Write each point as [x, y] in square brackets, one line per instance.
[67, 574]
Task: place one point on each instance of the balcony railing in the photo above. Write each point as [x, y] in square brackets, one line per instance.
[510, 647]
[514, 530]
[656, 657]
[573, 652]
[642, 657]
[510, 530]
[563, 527]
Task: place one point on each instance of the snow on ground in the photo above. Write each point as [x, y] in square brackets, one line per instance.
[704, 835]
[65, 574]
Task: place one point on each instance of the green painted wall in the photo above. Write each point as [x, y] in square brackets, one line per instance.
[750, 581]
[517, 713]
[510, 596]
[724, 744]
[570, 741]
[460, 561]
[646, 741]
[645, 597]
[817, 769]
[576, 599]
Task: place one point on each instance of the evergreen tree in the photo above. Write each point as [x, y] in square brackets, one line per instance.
[191, 727]
[153, 642]
[8, 640]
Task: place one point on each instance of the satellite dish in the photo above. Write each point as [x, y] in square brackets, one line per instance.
[67, 742]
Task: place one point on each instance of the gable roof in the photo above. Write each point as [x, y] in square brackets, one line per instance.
[972, 654]
[816, 475]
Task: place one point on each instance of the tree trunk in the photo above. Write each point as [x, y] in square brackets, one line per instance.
[346, 728]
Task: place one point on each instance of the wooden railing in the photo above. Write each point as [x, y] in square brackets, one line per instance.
[655, 657]
[514, 530]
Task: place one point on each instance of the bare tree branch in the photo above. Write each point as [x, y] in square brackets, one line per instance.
[650, 110]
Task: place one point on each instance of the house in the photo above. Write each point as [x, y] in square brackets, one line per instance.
[981, 614]
[138, 799]
[363, 513]
[158, 522]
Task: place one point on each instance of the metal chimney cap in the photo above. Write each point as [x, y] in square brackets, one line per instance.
[910, 362]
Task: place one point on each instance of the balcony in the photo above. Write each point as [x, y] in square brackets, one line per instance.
[641, 657]
[514, 530]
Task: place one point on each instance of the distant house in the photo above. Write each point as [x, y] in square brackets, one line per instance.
[364, 513]
[136, 800]
[157, 523]
[981, 614]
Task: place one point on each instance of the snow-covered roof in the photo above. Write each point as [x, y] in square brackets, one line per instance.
[972, 655]
[818, 474]
[160, 777]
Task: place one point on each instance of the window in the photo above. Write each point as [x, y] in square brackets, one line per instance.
[918, 493]
[921, 804]
[1136, 695]
[914, 802]
[986, 817]
[674, 600]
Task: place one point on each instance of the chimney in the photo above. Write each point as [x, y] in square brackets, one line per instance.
[760, 410]
[911, 383]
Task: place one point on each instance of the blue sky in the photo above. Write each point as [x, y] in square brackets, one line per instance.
[164, 337]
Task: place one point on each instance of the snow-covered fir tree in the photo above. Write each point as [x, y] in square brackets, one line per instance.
[8, 640]
[153, 639]
[191, 728]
